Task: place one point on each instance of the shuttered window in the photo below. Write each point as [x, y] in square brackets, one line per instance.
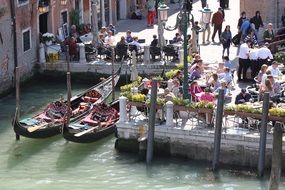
[23, 2]
[26, 40]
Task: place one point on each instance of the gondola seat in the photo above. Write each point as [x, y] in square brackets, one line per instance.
[90, 99]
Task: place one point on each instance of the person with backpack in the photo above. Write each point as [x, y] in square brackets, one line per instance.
[244, 29]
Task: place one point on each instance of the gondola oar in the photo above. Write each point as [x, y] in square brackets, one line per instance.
[37, 127]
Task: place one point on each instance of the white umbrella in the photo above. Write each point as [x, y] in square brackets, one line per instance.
[134, 72]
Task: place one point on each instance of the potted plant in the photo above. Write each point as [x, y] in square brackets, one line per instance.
[48, 38]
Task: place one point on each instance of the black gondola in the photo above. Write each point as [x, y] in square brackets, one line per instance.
[99, 123]
[41, 126]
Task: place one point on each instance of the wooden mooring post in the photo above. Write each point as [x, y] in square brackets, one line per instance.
[68, 77]
[276, 158]
[263, 132]
[18, 109]
[113, 81]
[218, 129]
[150, 138]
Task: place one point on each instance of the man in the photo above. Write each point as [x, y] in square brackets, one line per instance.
[154, 42]
[241, 19]
[243, 97]
[217, 23]
[244, 62]
[129, 37]
[275, 72]
[244, 29]
[254, 64]
[110, 40]
[264, 54]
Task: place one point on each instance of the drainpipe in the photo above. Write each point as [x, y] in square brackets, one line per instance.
[13, 18]
[277, 12]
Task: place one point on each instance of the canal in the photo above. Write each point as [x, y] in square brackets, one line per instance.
[55, 164]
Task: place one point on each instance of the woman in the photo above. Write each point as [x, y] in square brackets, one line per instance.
[257, 21]
[213, 81]
[268, 35]
[195, 74]
[226, 39]
[207, 95]
[267, 88]
[261, 73]
[194, 90]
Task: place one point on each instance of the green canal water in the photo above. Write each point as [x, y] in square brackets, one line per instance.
[55, 164]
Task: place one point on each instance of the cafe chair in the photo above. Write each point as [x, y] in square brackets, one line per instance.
[169, 51]
[90, 52]
[121, 51]
[155, 51]
[139, 54]
[101, 52]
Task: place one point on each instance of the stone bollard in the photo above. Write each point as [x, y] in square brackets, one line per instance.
[82, 58]
[169, 114]
[146, 57]
[42, 53]
[181, 56]
[123, 109]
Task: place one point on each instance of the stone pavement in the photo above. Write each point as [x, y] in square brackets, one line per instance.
[210, 53]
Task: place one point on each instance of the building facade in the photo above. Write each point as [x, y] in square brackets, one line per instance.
[33, 18]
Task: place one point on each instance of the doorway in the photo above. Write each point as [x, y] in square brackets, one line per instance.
[43, 23]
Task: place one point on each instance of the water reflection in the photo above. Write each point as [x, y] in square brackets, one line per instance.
[25, 149]
[74, 153]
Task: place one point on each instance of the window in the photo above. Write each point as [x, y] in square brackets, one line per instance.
[63, 17]
[22, 2]
[26, 39]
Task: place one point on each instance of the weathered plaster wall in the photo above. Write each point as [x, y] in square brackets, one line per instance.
[26, 17]
[268, 9]
[6, 48]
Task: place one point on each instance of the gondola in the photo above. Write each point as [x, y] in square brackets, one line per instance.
[99, 123]
[45, 125]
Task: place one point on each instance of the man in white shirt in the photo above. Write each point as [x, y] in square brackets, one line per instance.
[264, 54]
[254, 64]
[274, 69]
[110, 40]
[244, 62]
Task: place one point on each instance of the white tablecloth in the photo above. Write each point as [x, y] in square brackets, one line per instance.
[87, 38]
[54, 48]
